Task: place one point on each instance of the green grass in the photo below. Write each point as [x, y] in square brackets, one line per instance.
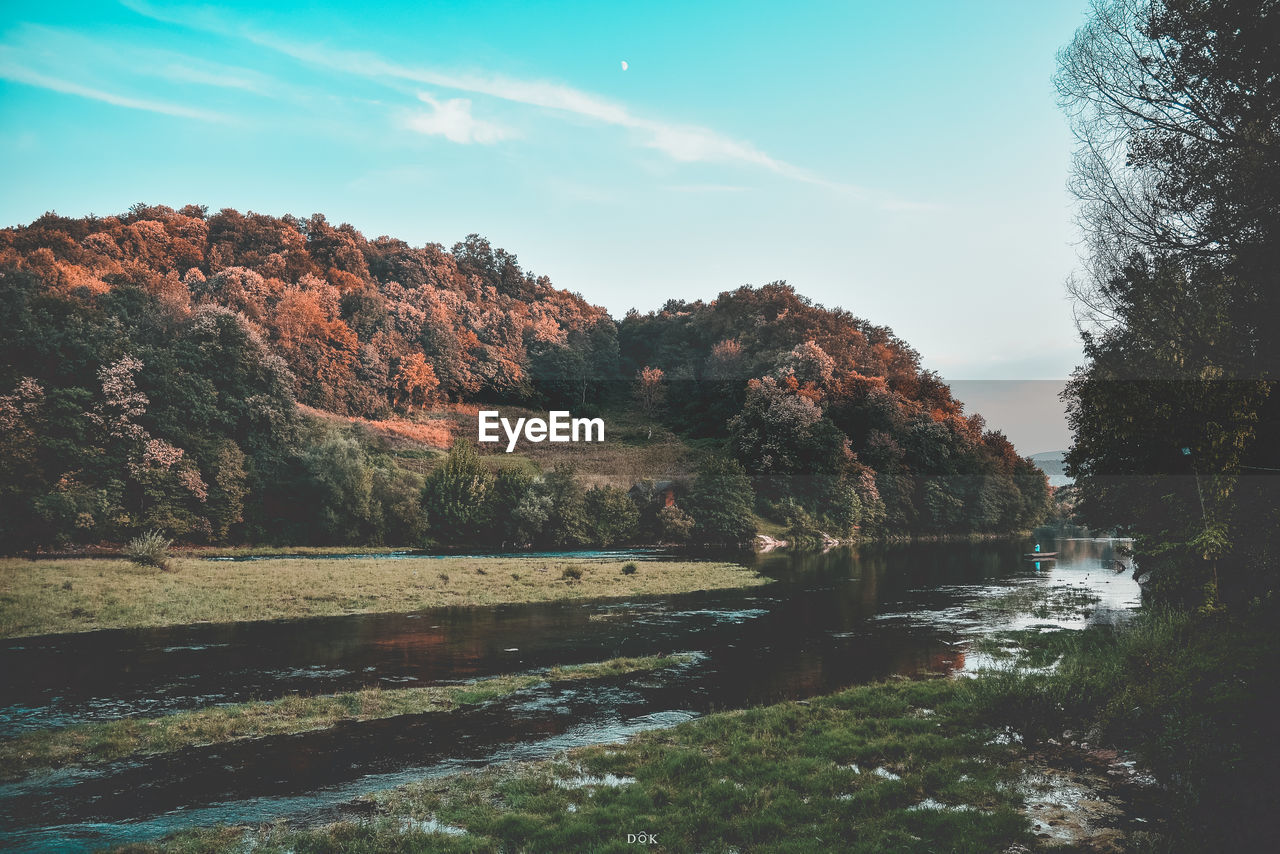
[82, 594]
[1194, 696]
[1042, 602]
[1025, 650]
[841, 773]
[100, 742]
[770, 528]
[1102, 675]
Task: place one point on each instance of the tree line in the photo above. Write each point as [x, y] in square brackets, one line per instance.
[833, 418]
[1176, 106]
[153, 362]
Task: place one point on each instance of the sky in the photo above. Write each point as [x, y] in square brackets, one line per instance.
[905, 161]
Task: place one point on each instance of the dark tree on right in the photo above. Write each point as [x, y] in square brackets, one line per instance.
[1176, 107]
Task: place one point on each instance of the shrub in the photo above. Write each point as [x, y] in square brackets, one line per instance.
[721, 502]
[802, 529]
[566, 524]
[629, 569]
[149, 549]
[455, 496]
[611, 516]
[572, 572]
[674, 525]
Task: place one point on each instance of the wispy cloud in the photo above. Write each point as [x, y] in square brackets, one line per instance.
[704, 188]
[17, 73]
[116, 72]
[684, 143]
[452, 119]
[220, 77]
[680, 142]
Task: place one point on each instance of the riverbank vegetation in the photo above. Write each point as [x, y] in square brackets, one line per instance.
[895, 766]
[1175, 415]
[904, 765]
[100, 742]
[76, 595]
[1193, 696]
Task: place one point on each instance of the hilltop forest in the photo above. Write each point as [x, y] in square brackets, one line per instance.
[153, 364]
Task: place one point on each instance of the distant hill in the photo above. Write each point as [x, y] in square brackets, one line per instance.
[1052, 464]
[173, 369]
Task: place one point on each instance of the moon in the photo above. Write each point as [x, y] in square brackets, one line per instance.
[625, 66]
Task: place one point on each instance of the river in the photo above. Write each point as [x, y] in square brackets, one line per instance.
[828, 621]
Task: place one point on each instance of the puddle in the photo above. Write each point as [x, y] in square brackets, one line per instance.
[430, 825]
[931, 804]
[1070, 809]
[585, 780]
[1090, 798]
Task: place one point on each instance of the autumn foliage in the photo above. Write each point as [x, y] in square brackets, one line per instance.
[365, 327]
[831, 414]
[236, 376]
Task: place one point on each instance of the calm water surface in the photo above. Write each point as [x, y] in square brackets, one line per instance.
[829, 621]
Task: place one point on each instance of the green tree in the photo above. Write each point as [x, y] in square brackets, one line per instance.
[674, 525]
[456, 496]
[566, 523]
[611, 516]
[519, 508]
[1149, 392]
[720, 501]
[225, 505]
[783, 440]
[339, 489]
[529, 516]
[398, 515]
[1177, 109]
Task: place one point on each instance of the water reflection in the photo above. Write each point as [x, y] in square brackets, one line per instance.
[831, 620]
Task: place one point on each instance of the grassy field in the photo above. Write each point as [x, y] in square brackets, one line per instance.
[76, 595]
[635, 449]
[896, 766]
[99, 742]
[629, 455]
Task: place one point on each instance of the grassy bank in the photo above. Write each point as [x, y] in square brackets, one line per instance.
[99, 742]
[1194, 696]
[636, 447]
[935, 765]
[76, 595]
[280, 551]
[897, 766]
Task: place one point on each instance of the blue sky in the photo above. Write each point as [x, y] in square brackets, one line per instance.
[906, 161]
